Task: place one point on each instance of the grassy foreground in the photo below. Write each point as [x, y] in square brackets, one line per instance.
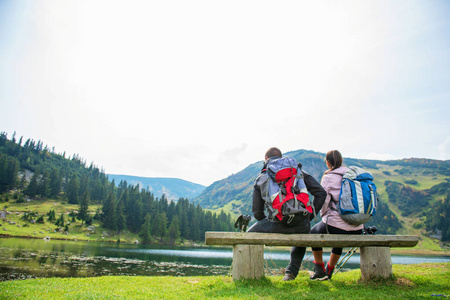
[409, 282]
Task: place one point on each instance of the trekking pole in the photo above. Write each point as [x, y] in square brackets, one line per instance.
[346, 257]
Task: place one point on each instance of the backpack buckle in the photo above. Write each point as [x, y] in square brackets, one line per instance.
[291, 217]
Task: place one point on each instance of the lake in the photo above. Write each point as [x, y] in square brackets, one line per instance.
[36, 258]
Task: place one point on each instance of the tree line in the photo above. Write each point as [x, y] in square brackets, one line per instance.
[408, 199]
[31, 169]
[437, 218]
[127, 207]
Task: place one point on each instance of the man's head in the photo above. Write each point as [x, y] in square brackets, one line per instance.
[273, 152]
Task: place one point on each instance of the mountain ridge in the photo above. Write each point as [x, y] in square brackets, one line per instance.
[172, 188]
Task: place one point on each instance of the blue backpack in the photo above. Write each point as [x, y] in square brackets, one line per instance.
[358, 198]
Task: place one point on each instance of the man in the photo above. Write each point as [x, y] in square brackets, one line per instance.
[298, 224]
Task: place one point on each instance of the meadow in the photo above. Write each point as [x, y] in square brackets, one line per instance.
[408, 282]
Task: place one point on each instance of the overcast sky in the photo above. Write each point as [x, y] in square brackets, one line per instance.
[198, 90]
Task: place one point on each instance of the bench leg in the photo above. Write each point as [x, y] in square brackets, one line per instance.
[248, 262]
[375, 262]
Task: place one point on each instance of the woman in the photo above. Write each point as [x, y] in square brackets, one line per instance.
[331, 219]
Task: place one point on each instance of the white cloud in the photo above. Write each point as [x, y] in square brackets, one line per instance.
[381, 156]
[201, 89]
[231, 155]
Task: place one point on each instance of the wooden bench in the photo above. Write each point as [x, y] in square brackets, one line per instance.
[248, 249]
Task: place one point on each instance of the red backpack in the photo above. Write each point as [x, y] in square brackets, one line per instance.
[287, 190]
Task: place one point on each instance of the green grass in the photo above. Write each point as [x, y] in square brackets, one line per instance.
[424, 181]
[409, 282]
[37, 230]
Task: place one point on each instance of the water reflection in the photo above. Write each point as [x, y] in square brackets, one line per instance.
[29, 258]
[23, 258]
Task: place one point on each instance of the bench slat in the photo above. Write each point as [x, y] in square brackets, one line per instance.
[309, 240]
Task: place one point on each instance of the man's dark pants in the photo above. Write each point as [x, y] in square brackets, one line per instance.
[297, 253]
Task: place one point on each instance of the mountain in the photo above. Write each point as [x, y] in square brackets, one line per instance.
[235, 191]
[413, 192]
[172, 188]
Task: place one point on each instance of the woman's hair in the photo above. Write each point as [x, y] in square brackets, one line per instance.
[334, 158]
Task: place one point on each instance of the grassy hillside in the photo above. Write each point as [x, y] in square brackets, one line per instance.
[16, 225]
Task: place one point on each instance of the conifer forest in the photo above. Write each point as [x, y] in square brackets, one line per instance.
[30, 170]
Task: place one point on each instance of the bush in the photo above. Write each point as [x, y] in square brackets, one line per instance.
[20, 199]
[88, 220]
[97, 215]
[387, 173]
[411, 181]
[51, 215]
[418, 225]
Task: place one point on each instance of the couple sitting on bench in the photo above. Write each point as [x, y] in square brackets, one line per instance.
[272, 190]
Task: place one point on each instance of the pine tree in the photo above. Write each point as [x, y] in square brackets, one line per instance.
[84, 185]
[148, 203]
[55, 183]
[160, 225]
[51, 215]
[12, 172]
[182, 212]
[171, 211]
[146, 229]
[108, 212]
[120, 217]
[134, 210]
[445, 219]
[44, 185]
[174, 229]
[32, 188]
[60, 221]
[3, 172]
[83, 211]
[194, 224]
[72, 190]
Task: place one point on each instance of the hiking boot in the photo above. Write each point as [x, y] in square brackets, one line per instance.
[329, 271]
[288, 277]
[319, 272]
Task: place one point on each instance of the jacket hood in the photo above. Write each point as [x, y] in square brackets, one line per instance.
[341, 170]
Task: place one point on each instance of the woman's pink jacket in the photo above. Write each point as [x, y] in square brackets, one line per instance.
[331, 182]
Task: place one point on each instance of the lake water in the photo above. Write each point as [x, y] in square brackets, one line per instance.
[35, 258]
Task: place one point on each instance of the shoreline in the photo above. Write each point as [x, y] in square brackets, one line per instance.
[398, 251]
[2, 235]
